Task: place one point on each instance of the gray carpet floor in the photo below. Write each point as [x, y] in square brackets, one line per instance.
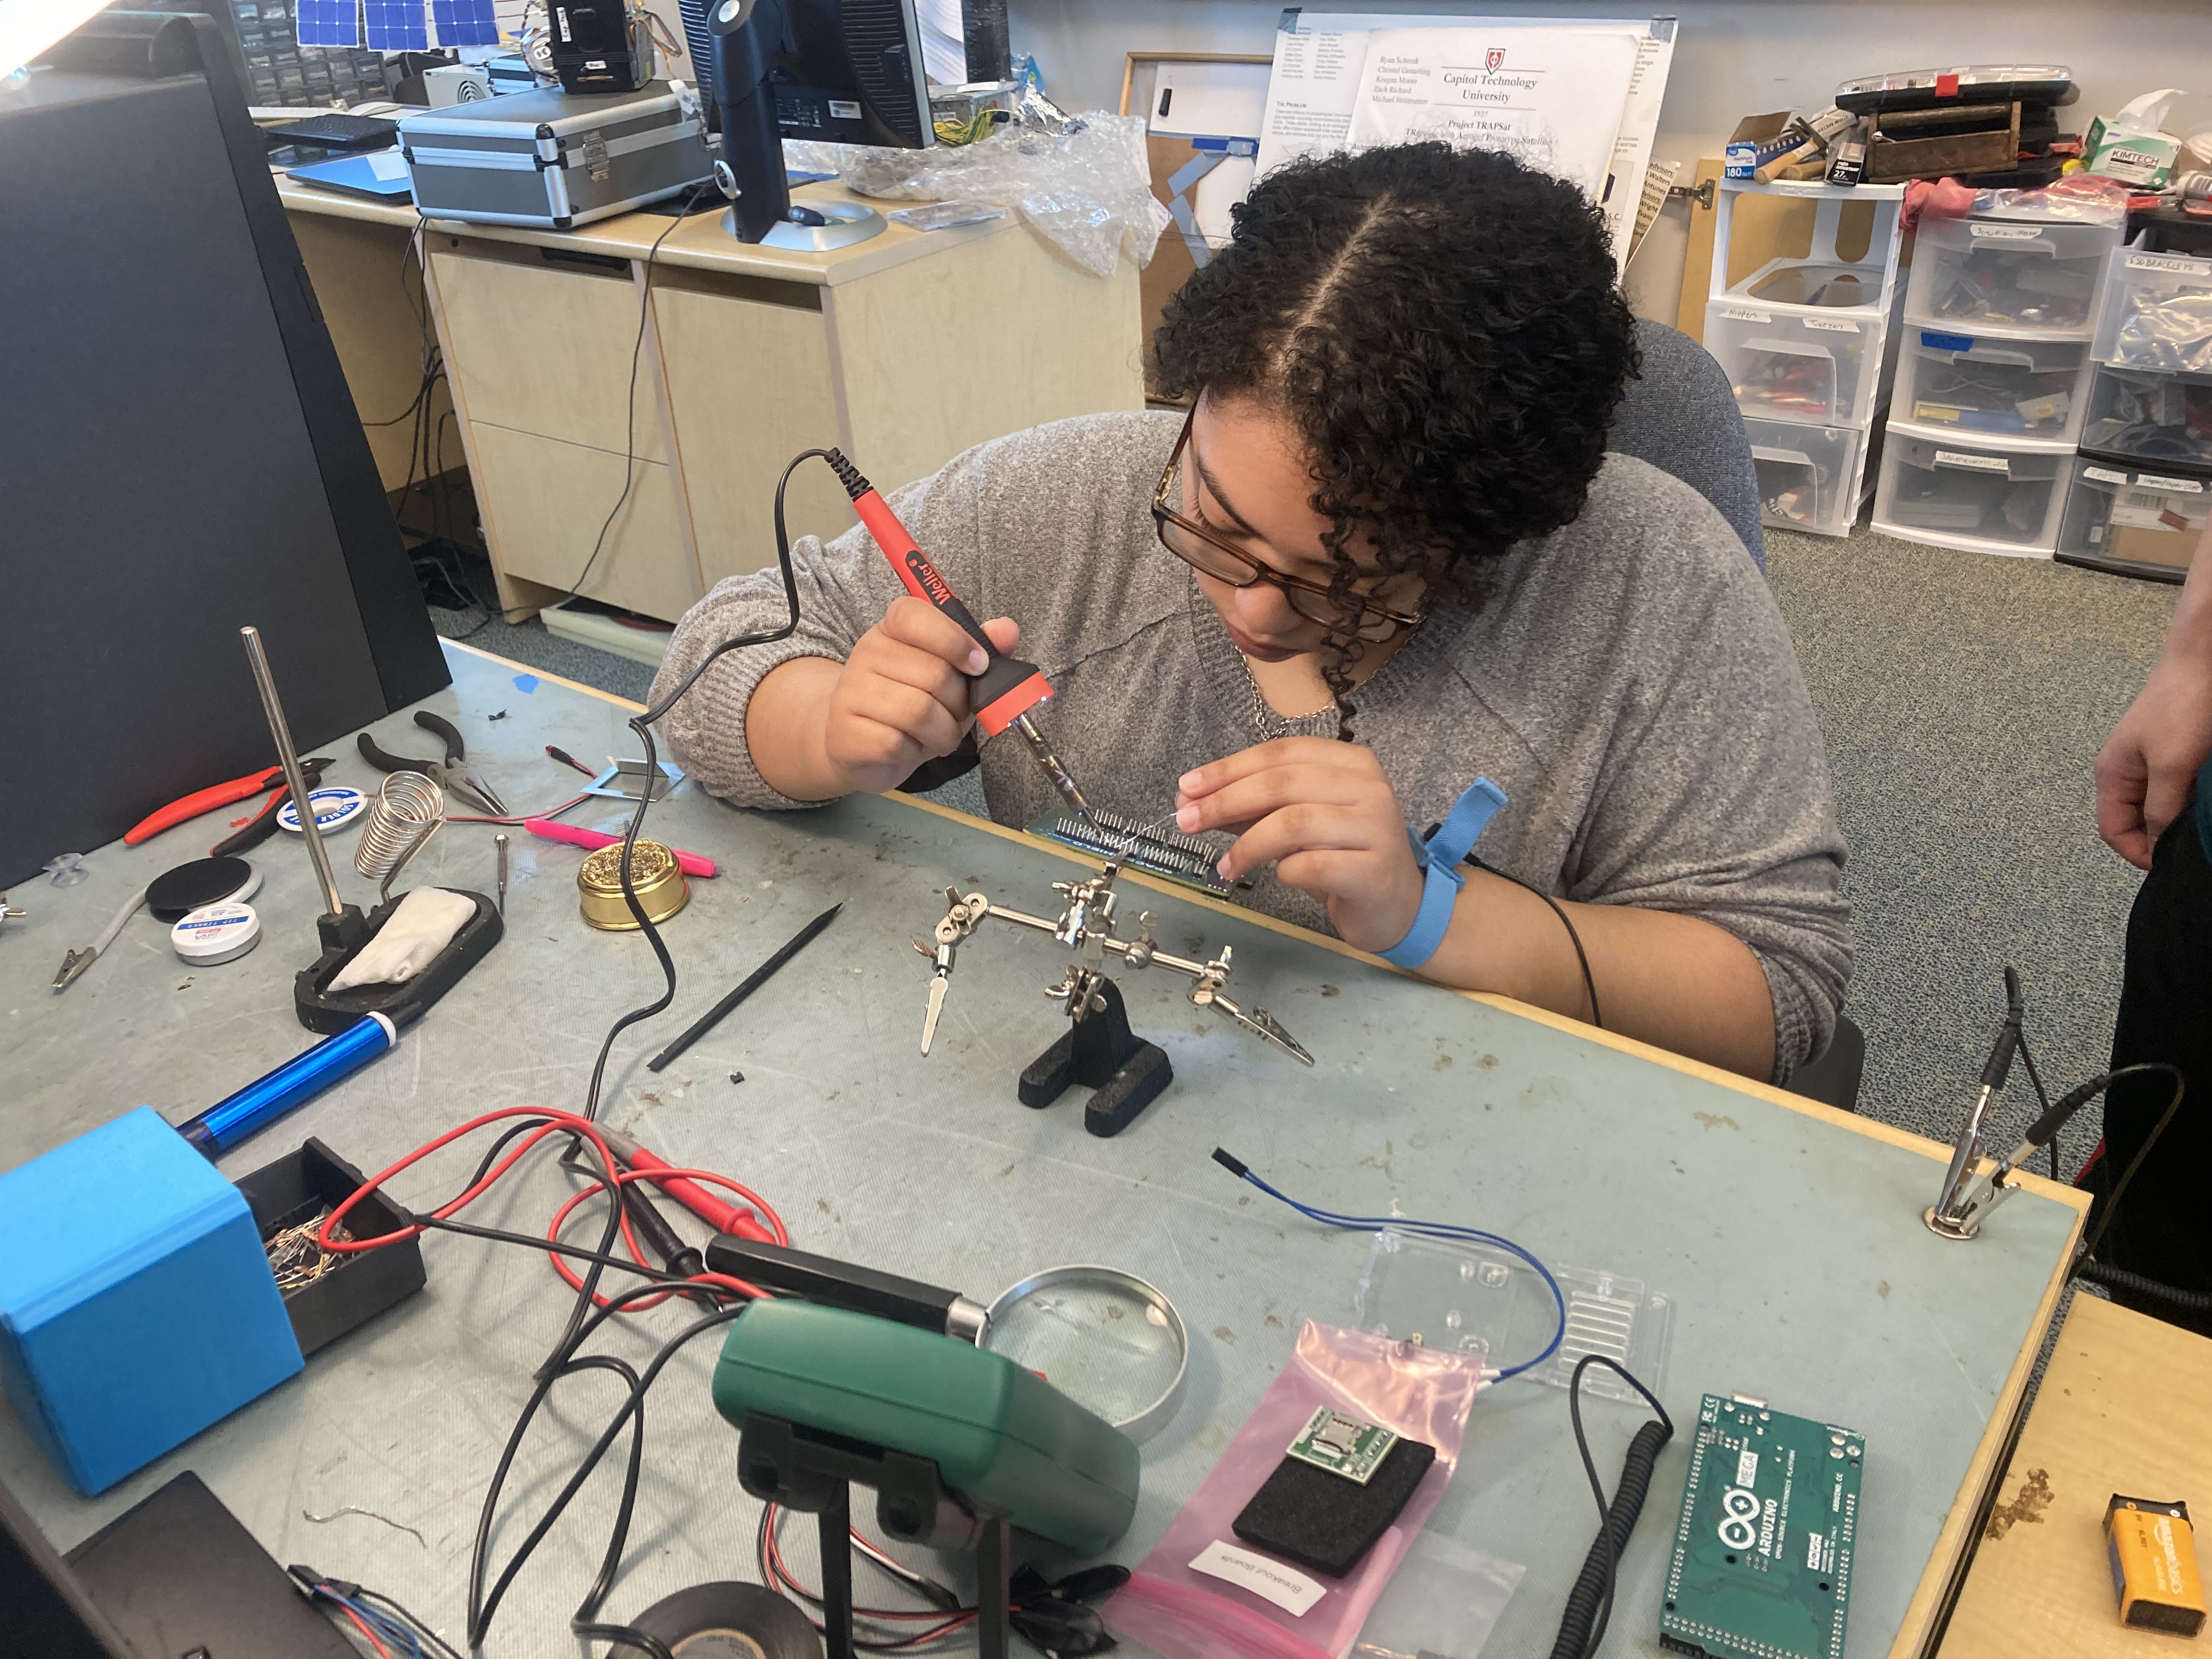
[1963, 698]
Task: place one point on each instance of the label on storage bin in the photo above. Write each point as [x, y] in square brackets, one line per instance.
[1740, 314]
[2007, 232]
[1935, 341]
[2183, 486]
[1978, 463]
[2103, 474]
[2154, 262]
[1286, 1587]
[1833, 325]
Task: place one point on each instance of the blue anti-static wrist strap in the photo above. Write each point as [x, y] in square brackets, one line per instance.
[1440, 856]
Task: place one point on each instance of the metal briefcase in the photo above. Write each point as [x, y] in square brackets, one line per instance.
[553, 159]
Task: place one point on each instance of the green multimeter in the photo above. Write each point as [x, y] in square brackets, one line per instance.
[999, 1436]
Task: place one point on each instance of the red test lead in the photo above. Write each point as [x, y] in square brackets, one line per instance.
[1008, 688]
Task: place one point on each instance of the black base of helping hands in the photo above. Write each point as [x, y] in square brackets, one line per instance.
[1124, 1073]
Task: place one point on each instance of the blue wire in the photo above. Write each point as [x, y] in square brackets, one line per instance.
[387, 1627]
[1442, 1229]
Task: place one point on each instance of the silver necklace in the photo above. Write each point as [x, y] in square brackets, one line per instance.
[1269, 723]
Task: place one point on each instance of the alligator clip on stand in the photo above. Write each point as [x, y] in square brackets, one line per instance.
[343, 929]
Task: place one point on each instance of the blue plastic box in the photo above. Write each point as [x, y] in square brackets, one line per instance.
[137, 1306]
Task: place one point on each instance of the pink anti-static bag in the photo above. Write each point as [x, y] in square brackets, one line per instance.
[1183, 1613]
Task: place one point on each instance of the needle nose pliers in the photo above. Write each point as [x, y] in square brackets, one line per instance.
[452, 773]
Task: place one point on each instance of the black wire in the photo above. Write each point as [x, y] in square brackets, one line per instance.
[583, 1319]
[2113, 1203]
[483, 1606]
[2043, 1099]
[1605, 1519]
[791, 1590]
[2120, 1278]
[1589, 982]
[636, 352]
[662, 1279]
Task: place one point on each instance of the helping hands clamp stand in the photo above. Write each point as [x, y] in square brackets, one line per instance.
[1125, 1072]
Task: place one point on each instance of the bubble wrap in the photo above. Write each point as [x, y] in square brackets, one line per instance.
[1087, 188]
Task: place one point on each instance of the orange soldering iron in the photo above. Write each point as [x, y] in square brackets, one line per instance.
[1008, 688]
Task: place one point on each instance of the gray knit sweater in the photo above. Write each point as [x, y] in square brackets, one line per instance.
[1626, 681]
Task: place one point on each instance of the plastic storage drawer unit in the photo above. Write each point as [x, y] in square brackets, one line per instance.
[1981, 497]
[2157, 313]
[1818, 367]
[1995, 385]
[2156, 419]
[2142, 523]
[1998, 275]
[1810, 477]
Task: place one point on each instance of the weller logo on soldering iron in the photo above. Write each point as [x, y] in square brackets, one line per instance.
[940, 591]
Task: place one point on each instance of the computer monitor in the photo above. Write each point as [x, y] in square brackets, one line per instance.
[845, 71]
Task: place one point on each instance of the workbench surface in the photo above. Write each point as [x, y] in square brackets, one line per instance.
[1786, 1236]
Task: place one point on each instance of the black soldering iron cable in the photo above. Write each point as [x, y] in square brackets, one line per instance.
[642, 724]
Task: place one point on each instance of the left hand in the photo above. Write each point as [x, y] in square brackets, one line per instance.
[1322, 812]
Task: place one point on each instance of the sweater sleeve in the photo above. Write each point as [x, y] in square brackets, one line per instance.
[1716, 802]
[844, 587]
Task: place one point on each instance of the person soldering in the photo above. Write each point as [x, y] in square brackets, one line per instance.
[1384, 574]
[2154, 809]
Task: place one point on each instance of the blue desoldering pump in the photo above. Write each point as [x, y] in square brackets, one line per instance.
[266, 1099]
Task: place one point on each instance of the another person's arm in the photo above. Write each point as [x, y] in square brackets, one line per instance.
[2147, 767]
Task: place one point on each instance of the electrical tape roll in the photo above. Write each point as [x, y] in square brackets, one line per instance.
[725, 1620]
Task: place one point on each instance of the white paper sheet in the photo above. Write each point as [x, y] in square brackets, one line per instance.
[1320, 60]
[1552, 97]
[1207, 100]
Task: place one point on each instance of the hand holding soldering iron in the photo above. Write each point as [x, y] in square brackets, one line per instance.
[903, 694]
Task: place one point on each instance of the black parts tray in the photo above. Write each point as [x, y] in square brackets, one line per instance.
[361, 1286]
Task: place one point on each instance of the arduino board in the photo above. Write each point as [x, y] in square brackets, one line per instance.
[1762, 1565]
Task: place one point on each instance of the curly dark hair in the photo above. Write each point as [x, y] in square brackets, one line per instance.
[1441, 326]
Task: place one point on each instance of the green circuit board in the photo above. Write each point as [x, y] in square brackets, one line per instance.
[1762, 1566]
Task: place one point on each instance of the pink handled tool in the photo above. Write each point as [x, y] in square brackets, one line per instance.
[546, 829]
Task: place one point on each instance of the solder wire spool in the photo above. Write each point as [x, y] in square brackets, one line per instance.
[1109, 1341]
[407, 813]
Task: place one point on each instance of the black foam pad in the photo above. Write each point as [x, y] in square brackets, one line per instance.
[174, 893]
[1323, 1521]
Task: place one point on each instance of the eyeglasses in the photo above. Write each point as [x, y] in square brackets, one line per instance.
[1373, 619]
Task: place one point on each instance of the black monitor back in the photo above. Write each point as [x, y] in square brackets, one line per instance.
[848, 72]
[179, 453]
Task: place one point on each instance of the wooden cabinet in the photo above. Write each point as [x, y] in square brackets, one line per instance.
[750, 383]
[569, 371]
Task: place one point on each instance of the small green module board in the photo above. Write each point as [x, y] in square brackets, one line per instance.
[1343, 1445]
[1762, 1566]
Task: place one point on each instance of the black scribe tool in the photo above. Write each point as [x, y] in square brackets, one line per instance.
[746, 987]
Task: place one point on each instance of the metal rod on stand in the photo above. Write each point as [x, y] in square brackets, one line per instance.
[288, 757]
